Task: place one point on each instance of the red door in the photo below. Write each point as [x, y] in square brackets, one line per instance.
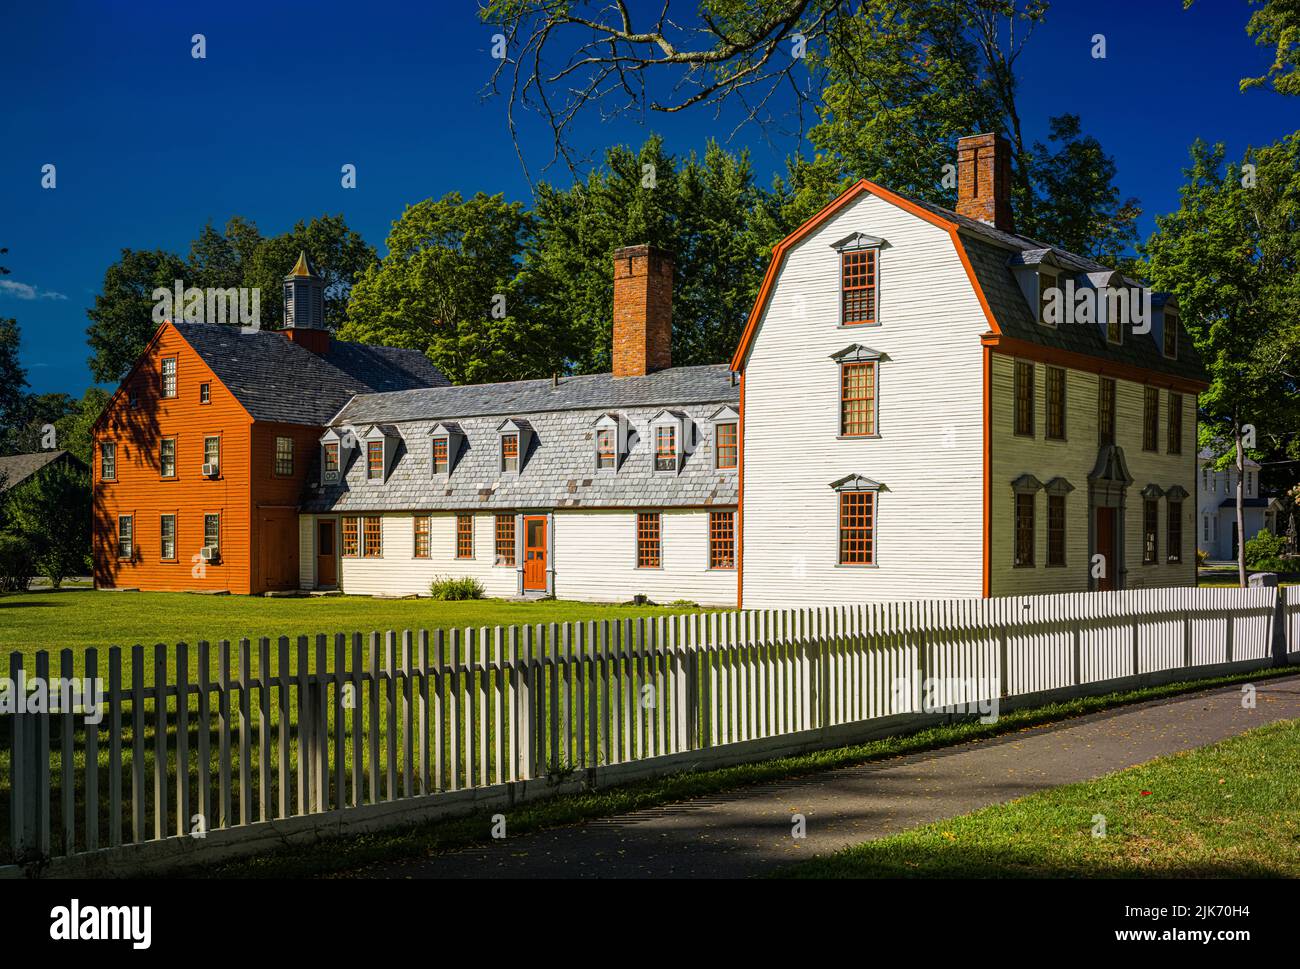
[1106, 548]
[326, 565]
[535, 554]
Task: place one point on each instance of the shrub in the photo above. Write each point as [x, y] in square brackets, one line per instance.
[1202, 556]
[1265, 551]
[16, 568]
[456, 589]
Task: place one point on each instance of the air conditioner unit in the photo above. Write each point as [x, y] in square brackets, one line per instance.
[208, 553]
[331, 477]
[210, 470]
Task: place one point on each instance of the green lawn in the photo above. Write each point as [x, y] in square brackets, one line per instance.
[1228, 810]
[79, 619]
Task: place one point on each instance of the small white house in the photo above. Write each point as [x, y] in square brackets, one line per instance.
[1216, 501]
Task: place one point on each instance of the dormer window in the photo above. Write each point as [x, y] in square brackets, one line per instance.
[726, 438]
[610, 442]
[444, 446]
[1047, 284]
[331, 462]
[333, 454]
[668, 439]
[1114, 323]
[375, 460]
[515, 435]
[1171, 335]
[381, 451]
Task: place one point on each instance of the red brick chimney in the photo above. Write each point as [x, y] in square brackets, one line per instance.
[984, 180]
[643, 310]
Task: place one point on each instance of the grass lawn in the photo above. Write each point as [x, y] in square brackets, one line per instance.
[80, 619]
[1228, 810]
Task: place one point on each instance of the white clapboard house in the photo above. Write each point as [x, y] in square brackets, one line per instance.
[923, 404]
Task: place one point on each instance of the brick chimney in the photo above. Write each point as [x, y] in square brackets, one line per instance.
[643, 310]
[984, 180]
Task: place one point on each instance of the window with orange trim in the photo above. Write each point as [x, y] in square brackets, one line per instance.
[331, 457]
[464, 536]
[666, 448]
[858, 286]
[421, 536]
[372, 545]
[649, 554]
[857, 399]
[605, 448]
[439, 455]
[857, 527]
[727, 447]
[509, 452]
[375, 459]
[722, 539]
[505, 536]
[351, 545]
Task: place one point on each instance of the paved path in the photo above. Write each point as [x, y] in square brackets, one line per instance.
[747, 831]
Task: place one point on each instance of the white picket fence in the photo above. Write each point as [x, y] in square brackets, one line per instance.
[262, 732]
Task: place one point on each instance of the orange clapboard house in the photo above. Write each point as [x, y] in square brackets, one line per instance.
[201, 455]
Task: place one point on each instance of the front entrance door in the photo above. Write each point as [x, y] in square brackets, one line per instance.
[326, 565]
[535, 553]
[1106, 548]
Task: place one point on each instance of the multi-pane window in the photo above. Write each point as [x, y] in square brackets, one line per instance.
[351, 538]
[375, 460]
[857, 399]
[464, 536]
[1150, 528]
[1114, 326]
[1024, 530]
[205, 393]
[1174, 444]
[372, 540]
[1151, 419]
[509, 452]
[1105, 411]
[1056, 529]
[284, 457]
[859, 286]
[169, 377]
[125, 536]
[1171, 336]
[440, 455]
[212, 532]
[212, 450]
[605, 448]
[728, 448]
[1024, 397]
[722, 539]
[421, 524]
[108, 460]
[1174, 531]
[167, 457]
[666, 448]
[1046, 284]
[167, 540]
[857, 527]
[1055, 404]
[648, 551]
[505, 539]
[331, 457]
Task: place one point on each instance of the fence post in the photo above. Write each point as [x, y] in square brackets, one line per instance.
[23, 787]
[1004, 676]
[1228, 656]
[1277, 626]
[523, 712]
[1137, 669]
[1187, 638]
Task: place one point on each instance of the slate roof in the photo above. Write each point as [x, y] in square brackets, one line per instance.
[992, 252]
[278, 380]
[558, 470]
[17, 468]
[675, 386]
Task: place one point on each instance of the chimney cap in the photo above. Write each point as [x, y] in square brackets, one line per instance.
[643, 249]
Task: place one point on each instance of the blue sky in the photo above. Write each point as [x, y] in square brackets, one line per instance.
[150, 143]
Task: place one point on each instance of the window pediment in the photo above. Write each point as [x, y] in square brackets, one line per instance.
[1026, 484]
[857, 482]
[859, 240]
[1058, 486]
[857, 353]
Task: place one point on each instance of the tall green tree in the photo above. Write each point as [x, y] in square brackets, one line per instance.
[50, 513]
[448, 287]
[13, 375]
[337, 253]
[121, 319]
[1276, 24]
[74, 428]
[1230, 254]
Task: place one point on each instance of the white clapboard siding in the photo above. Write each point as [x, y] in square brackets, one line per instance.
[1072, 459]
[595, 551]
[930, 450]
[306, 551]
[397, 572]
[347, 722]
